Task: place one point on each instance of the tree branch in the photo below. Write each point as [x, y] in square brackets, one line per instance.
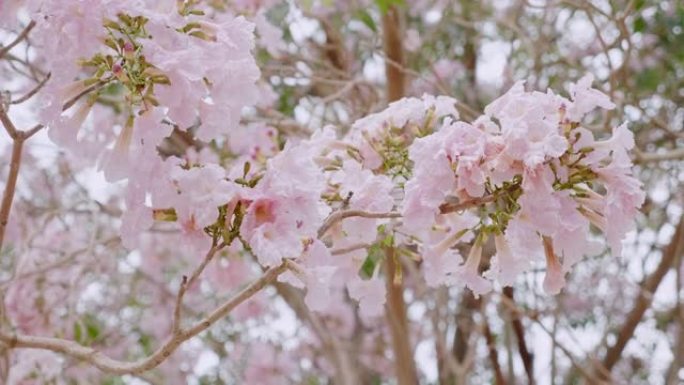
[644, 299]
[643, 157]
[449, 207]
[33, 91]
[10, 187]
[394, 50]
[101, 83]
[18, 39]
[340, 215]
[187, 283]
[405, 366]
[491, 347]
[109, 365]
[395, 310]
[525, 355]
[7, 123]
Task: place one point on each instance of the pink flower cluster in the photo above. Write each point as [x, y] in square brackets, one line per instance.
[547, 177]
[526, 174]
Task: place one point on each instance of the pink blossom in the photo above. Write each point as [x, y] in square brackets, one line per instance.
[506, 265]
[554, 280]
[540, 204]
[586, 99]
[267, 366]
[201, 190]
[370, 294]
[469, 274]
[433, 179]
[441, 262]
[440, 266]
[367, 131]
[270, 36]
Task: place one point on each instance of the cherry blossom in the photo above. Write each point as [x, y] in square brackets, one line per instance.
[228, 205]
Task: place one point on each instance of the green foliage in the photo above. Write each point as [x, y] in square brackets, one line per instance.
[286, 100]
[376, 253]
[366, 19]
[393, 149]
[113, 381]
[385, 5]
[145, 342]
[649, 79]
[87, 330]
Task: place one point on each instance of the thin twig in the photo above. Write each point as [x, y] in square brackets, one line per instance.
[187, 283]
[491, 347]
[109, 365]
[645, 298]
[31, 93]
[513, 307]
[10, 187]
[642, 157]
[345, 250]
[33, 131]
[455, 207]
[7, 123]
[525, 355]
[96, 86]
[18, 39]
[340, 215]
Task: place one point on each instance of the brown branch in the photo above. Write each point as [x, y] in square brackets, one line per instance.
[109, 365]
[11, 184]
[642, 157]
[33, 131]
[405, 366]
[491, 347]
[514, 309]
[644, 299]
[187, 283]
[449, 207]
[392, 44]
[395, 310]
[340, 215]
[346, 365]
[465, 325]
[7, 123]
[18, 39]
[348, 249]
[445, 208]
[101, 83]
[32, 92]
[525, 355]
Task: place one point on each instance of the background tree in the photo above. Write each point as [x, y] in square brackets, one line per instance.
[217, 192]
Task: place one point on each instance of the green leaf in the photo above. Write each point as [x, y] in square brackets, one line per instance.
[245, 169]
[385, 5]
[92, 328]
[640, 24]
[145, 342]
[366, 19]
[388, 241]
[649, 79]
[368, 267]
[164, 215]
[78, 332]
[113, 381]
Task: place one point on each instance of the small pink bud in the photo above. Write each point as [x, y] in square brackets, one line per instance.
[128, 50]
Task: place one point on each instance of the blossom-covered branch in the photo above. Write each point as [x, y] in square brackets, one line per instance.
[109, 365]
[226, 146]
